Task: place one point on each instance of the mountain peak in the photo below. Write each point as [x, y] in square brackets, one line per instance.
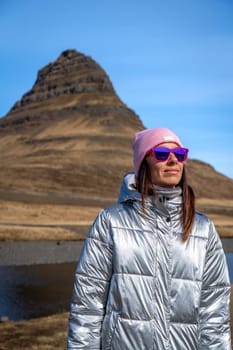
[72, 133]
[74, 85]
[71, 75]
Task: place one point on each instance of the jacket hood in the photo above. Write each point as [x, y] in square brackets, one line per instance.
[128, 191]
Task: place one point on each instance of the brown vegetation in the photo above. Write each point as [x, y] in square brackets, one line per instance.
[44, 333]
[71, 133]
[64, 148]
[38, 220]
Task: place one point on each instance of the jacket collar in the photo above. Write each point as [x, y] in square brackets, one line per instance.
[164, 199]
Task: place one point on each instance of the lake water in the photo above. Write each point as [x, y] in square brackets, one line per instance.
[40, 290]
[33, 291]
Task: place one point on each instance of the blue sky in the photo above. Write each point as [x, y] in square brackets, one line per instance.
[171, 61]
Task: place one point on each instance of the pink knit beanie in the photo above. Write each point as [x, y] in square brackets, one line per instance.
[149, 138]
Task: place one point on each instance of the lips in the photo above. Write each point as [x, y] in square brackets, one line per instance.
[172, 171]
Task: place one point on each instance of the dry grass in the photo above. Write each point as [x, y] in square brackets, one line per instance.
[221, 212]
[18, 233]
[71, 151]
[30, 221]
[22, 213]
[44, 333]
[39, 221]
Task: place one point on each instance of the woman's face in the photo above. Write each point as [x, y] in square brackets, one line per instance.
[165, 173]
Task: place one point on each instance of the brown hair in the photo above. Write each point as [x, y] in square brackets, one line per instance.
[145, 186]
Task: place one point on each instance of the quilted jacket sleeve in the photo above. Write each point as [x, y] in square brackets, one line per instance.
[90, 289]
[215, 298]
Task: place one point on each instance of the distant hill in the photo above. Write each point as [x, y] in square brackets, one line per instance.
[72, 133]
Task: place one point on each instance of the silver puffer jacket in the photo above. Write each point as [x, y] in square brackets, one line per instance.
[139, 287]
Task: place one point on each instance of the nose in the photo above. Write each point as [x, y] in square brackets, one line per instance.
[172, 158]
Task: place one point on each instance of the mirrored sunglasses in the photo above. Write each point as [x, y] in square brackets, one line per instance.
[162, 154]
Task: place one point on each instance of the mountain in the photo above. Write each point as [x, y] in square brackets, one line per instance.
[72, 133]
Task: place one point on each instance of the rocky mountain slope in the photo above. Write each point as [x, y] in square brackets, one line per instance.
[72, 133]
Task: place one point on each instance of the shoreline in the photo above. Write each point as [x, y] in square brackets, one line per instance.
[19, 253]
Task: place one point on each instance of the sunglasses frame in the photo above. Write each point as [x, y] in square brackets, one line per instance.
[167, 151]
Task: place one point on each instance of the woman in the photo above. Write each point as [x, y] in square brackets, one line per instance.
[152, 273]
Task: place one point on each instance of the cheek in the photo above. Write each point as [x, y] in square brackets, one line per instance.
[156, 169]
